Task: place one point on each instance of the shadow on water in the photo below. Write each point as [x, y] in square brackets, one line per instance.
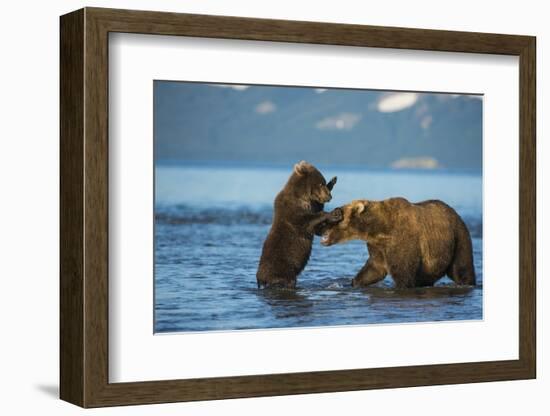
[285, 303]
[335, 302]
[429, 292]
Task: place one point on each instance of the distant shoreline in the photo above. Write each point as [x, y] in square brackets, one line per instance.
[277, 166]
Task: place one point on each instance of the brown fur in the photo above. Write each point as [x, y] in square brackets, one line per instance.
[417, 244]
[298, 215]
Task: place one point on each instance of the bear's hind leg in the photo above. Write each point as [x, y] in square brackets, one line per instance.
[277, 284]
[461, 270]
[462, 275]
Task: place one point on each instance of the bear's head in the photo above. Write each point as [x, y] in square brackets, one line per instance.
[310, 185]
[358, 220]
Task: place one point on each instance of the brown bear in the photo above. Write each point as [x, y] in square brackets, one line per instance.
[298, 215]
[415, 243]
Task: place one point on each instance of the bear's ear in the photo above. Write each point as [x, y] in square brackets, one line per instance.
[301, 168]
[331, 183]
[359, 206]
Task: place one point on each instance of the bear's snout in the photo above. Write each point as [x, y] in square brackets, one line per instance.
[325, 196]
[326, 239]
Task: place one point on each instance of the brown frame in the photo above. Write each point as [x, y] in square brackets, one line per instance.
[84, 208]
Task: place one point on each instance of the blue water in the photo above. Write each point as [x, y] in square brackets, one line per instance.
[210, 223]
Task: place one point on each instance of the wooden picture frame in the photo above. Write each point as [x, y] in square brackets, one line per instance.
[84, 207]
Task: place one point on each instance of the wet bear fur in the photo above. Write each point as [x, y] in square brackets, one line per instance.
[298, 216]
[415, 243]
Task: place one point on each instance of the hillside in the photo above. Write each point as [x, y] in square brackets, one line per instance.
[197, 122]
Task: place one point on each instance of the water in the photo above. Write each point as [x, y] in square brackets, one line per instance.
[210, 223]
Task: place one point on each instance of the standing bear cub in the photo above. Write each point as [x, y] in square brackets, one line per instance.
[298, 215]
[417, 244]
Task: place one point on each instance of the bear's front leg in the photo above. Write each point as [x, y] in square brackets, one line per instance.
[323, 219]
[372, 272]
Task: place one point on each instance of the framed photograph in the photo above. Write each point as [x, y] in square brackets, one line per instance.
[254, 207]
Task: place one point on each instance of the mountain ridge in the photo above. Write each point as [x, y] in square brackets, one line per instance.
[265, 124]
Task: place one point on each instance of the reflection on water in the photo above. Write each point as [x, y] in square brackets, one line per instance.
[286, 304]
[209, 228]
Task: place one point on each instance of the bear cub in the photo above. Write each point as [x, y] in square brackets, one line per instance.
[298, 215]
[415, 243]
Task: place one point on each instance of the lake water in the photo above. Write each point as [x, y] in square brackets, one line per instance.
[210, 223]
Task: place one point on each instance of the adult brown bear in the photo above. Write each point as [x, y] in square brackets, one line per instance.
[416, 244]
[298, 215]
